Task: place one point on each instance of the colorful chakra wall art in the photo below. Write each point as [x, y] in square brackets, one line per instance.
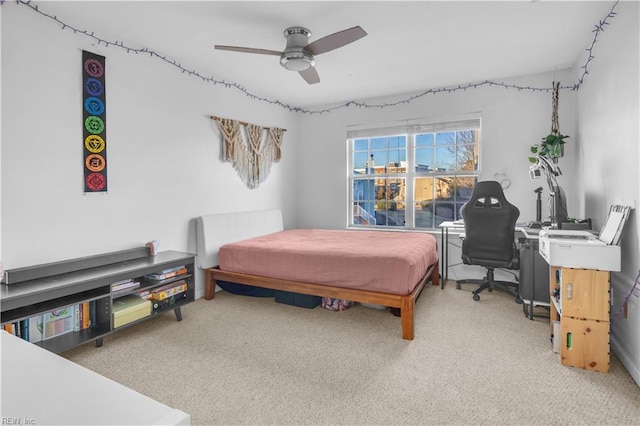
[94, 122]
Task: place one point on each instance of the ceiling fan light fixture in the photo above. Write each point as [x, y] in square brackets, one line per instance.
[299, 54]
[297, 61]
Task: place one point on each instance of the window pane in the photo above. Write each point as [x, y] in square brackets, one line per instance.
[379, 143]
[425, 139]
[360, 161]
[381, 158]
[444, 204]
[423, 196]
[390, 202]
[464, 188]
[445, 159]
[447, 138]
[361, 144]
[468, 157]
[424, 160]
[466, 136]
[364, 202]
[397, 161]
[397, 141]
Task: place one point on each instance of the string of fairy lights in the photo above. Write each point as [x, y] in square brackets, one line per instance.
[599, 28]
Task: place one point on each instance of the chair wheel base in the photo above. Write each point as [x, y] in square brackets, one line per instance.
[476, 297]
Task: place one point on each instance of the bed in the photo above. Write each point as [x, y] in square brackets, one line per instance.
[376, 267]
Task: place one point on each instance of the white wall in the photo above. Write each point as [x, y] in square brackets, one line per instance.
[608, 154]
[512, 121]
[162, 150]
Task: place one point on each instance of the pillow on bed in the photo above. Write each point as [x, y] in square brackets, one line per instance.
[245, 290]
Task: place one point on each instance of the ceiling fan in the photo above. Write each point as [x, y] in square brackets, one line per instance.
[299, 54]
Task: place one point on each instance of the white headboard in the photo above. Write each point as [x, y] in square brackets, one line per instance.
[215, 230]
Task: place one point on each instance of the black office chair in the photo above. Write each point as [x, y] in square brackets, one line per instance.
[489, 240]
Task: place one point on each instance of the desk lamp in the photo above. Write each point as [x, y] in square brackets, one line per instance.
[551, 171]
[538, 192]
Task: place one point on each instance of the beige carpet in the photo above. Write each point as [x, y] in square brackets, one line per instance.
[242, 360]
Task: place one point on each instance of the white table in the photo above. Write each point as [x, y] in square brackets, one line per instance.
[42, 388]
[458, 228]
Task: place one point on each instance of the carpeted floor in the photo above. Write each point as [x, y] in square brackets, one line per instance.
[242, 360]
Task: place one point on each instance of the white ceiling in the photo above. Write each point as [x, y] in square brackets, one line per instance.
[410, 46]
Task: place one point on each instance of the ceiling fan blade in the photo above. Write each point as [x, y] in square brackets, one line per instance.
[310, 75]
[248, 50]
[335, 40]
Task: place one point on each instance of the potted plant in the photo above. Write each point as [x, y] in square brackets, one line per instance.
[551, 147]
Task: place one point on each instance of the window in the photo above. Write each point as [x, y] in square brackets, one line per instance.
[429, 167]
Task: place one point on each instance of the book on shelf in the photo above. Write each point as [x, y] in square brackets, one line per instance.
[58, 322]
[172, 269]
[35, 329]
[128, 309]
[86, 315]
[167, 273]
[158, 305]
[77, 317]
[126, 284]
[169, 290]
[145, 294]
[93, 312]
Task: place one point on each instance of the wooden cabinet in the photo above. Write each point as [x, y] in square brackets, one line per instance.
[73, 288]
[581, 304]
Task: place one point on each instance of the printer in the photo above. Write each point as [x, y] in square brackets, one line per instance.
[578, 249]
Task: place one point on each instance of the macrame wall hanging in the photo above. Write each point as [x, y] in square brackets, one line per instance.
[251, 149]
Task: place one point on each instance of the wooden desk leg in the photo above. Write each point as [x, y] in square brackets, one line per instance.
[178, 313]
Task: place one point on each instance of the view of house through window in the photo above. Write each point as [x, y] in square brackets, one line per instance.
[412, 176]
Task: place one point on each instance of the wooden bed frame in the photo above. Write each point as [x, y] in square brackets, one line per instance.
[404, 302]
[215, 230]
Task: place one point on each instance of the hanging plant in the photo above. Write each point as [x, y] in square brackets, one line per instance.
[552, 146]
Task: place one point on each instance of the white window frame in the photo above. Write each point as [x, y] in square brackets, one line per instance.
[409, 128]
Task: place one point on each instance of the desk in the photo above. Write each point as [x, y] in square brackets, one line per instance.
[531, 259]
[458, 227]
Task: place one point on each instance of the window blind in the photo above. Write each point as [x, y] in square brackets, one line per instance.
[412, 127]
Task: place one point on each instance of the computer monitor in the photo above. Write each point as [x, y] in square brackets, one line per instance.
[558, 207]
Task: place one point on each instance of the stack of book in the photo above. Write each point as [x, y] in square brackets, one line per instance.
[128, 309]
[167, 273]
[167, 295]
[129, 284]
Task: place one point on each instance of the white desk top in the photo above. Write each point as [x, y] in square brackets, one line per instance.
[40, 387]
[529, 233]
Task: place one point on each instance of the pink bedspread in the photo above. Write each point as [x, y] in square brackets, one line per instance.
[380, 261]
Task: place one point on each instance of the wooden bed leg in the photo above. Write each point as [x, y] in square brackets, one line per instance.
[435, 274]
[406, 315]
[209, 285]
